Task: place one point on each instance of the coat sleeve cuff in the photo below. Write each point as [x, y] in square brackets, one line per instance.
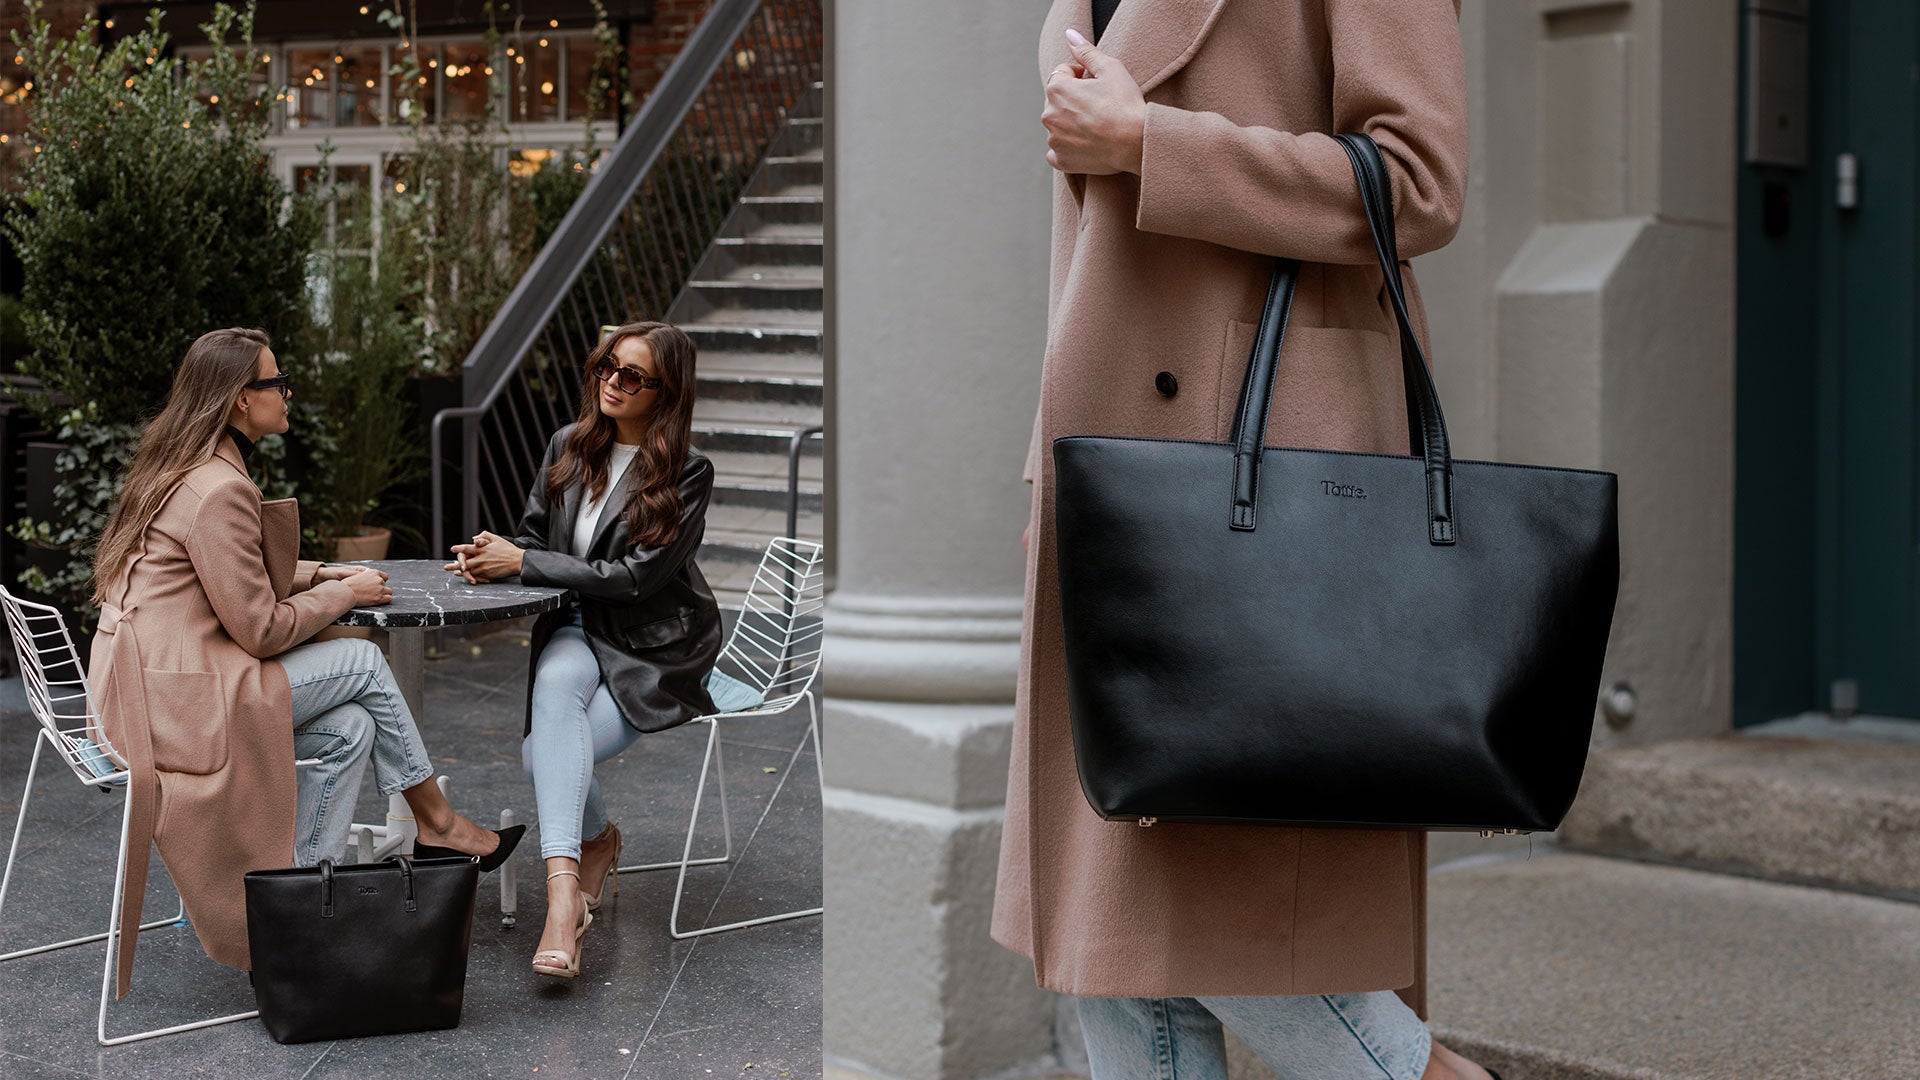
[1171, 194]
[303, 572]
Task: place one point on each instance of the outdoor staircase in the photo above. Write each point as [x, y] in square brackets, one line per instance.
[754, 309]
[1742, 906]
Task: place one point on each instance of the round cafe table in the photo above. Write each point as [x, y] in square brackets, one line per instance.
[426, 596]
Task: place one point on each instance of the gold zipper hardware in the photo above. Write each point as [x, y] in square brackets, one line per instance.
[1147, 822]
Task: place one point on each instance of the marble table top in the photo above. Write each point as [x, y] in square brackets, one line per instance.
[426, 595]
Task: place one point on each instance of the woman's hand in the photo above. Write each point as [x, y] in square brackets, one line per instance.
[1095, 115]
[369, 585]
[341, 573]
[488, 558]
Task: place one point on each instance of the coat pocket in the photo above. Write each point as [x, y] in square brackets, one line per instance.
[186, 712]
[654, 634]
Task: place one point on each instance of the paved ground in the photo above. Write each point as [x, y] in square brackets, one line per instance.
[740, 1004]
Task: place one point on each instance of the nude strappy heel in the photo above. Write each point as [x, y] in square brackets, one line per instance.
[566, 966]
[609, 836]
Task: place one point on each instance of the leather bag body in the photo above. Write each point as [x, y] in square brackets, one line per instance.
[343, 952]
[1317, 637]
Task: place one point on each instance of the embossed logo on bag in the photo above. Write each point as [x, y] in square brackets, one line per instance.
[1348, 491]
[367, 890]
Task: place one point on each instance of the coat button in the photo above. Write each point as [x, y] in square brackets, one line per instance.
[1166, 384]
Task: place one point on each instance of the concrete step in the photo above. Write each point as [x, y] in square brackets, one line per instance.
[784, 294]
[742, 382]
[772, 274]
[1786, 807]
[789, 169]
[757, 434]
[805, 211]
[1579, 967]
[751, 319]
[740, 534]
[755, 251]
[774, 340]
[753, 229]
[805, 133]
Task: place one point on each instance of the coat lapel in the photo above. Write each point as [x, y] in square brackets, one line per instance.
[1154, 38]
[562, 529]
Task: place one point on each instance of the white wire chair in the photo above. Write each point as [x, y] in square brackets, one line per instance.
[64, 709]
[775, 648]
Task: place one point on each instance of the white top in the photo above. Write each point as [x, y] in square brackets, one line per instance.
[589, 517]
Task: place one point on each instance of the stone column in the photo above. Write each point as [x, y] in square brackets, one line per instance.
[938, 220]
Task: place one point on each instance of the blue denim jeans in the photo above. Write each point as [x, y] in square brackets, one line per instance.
[347, 711]
[1305, 1037]
[575, 725]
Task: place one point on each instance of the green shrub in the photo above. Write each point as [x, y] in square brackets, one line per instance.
[150, 215]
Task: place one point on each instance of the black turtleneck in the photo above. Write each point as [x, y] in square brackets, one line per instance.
[1102, 14]
[245, 444]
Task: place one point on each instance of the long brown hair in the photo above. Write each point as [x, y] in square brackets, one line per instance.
[652, 512]
[218, 365]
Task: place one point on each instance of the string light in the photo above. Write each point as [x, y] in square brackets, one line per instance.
[509, 50]
[214, 100]
[369, 84]
[546, 88]
[553, 23]
[543, 43]
[400, 186]
[489, 69]
[109, 24]
[363, 9]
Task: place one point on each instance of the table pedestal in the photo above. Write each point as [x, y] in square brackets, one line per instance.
[407, 657]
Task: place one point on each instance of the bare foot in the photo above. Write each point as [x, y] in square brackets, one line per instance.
[456, 832]
[1444, 1064]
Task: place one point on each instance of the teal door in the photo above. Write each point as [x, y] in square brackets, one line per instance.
[1827, 518]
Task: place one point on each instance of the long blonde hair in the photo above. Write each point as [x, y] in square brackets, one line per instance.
[218, 365]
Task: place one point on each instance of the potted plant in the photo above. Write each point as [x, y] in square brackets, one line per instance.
[350, 398]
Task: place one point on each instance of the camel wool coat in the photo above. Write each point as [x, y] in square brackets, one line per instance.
[183, 681]
[1156, 286]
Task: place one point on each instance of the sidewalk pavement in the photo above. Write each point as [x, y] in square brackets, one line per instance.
[745, 1003]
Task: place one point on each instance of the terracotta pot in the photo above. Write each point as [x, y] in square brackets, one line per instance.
[369, 544]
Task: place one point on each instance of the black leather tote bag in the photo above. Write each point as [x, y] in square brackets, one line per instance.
[1315, 637]
[341, 952]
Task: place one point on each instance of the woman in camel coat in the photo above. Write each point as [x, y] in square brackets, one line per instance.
[1192, 145]
[205, 676]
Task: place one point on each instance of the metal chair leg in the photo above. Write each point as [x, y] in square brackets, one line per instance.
[673, 917]
[726, 819]
[6, 878]
[112, 935]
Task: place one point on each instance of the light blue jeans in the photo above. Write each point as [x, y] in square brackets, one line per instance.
[575, 725]
[1305, 1037]
[347, 711]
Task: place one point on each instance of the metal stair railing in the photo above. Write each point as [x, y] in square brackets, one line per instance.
[629, 244]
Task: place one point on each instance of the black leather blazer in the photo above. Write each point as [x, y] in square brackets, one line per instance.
[648, 613]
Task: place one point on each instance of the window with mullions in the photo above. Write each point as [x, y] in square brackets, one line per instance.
[259, 93]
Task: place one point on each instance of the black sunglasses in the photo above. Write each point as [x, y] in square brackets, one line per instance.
[631, 381]
[281, 382]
